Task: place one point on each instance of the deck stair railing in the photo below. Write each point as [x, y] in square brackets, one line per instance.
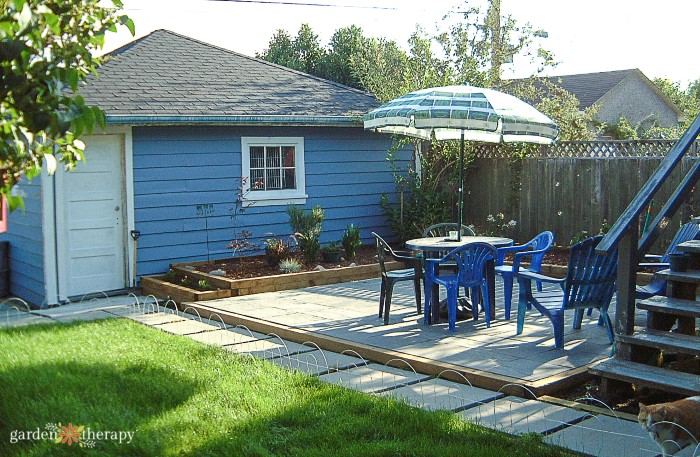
[634, 351]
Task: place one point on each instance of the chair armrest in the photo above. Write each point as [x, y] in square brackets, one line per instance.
[501, 252]
[539, 277]
[518, 257]
[409, 261]
[657, 265]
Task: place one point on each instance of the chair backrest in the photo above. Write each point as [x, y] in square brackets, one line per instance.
[384, 252]
[445, 228]
[542, 242]
[590, 280]
[470, 259]
[686, 233]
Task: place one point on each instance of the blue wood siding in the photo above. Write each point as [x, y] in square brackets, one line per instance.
[177, 168]
[24, 232]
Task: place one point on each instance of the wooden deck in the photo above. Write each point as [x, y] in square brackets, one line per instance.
[344, 317]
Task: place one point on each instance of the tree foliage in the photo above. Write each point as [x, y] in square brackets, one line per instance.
[688, 101]
[469, 48]
[45, 52]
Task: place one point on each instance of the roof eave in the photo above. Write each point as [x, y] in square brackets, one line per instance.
[258, 121]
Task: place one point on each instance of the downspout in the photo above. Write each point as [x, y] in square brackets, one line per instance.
[55, 237]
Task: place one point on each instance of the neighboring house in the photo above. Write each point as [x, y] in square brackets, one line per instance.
[186, 120]
[622, 93]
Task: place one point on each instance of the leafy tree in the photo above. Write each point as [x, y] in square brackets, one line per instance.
[303, 53]
[688, 101]
[478, 42]
[45, 52]
[345, 43]
[280, 50]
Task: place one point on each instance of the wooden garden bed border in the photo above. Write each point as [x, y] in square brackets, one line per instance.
[159, 287]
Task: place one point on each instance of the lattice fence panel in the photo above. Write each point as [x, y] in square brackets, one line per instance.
[584, 149]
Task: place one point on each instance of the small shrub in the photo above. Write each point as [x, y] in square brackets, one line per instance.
[583, 234]
[309, 246]
[170, 276]
[497, 225]
[203, 284]
[290, 266]
[276, 250]
[351, 242]
[332, 246]
[307, 226]
[578, 237]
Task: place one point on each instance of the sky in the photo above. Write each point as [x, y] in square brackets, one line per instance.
[585, 36]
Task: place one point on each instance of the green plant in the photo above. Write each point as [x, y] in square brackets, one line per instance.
[497, 225]
[290, 266]
[276, 249]
[307, 227]
[203, 284]
[423, 199]
[170, 276]
[583, 234]
[578, 237]
[331, 246]
[351, 242]
[309, 245]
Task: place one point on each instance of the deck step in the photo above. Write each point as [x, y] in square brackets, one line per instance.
[675, 306]
[690, 246]
[677, 342]
[650, 376]
[689, 276]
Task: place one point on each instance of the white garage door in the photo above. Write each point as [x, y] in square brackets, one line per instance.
[91, 234]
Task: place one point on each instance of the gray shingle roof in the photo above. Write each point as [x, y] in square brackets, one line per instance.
[166, 77]
[590, 87]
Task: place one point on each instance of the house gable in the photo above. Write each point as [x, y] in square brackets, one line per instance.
[638, 100]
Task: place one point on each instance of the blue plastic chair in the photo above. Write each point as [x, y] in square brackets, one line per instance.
[390, 278]
[534, 250]
[657, 286]
[470, 260]
[589, 283]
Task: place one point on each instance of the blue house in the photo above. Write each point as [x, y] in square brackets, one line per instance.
[186, 121]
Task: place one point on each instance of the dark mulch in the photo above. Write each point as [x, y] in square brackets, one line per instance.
[257, 266]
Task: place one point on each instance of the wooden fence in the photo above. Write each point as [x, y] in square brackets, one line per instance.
[570, 187]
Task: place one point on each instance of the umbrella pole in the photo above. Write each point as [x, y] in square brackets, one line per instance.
[460, 210]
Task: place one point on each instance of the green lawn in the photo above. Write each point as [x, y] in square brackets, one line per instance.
[180, 397]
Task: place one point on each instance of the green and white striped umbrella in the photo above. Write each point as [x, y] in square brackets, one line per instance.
[449, 112]
[463, 113]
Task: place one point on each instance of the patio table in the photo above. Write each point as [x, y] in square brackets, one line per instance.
[435, 244]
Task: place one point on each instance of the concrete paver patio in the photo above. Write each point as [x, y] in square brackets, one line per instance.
[349, 312]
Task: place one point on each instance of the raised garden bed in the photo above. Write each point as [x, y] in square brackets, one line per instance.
[161, 286]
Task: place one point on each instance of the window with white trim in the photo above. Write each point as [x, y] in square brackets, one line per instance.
[274, 167]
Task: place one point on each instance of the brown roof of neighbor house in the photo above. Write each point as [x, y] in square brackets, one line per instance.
[165, 77]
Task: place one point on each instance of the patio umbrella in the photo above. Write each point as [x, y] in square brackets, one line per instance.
[464, 113]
